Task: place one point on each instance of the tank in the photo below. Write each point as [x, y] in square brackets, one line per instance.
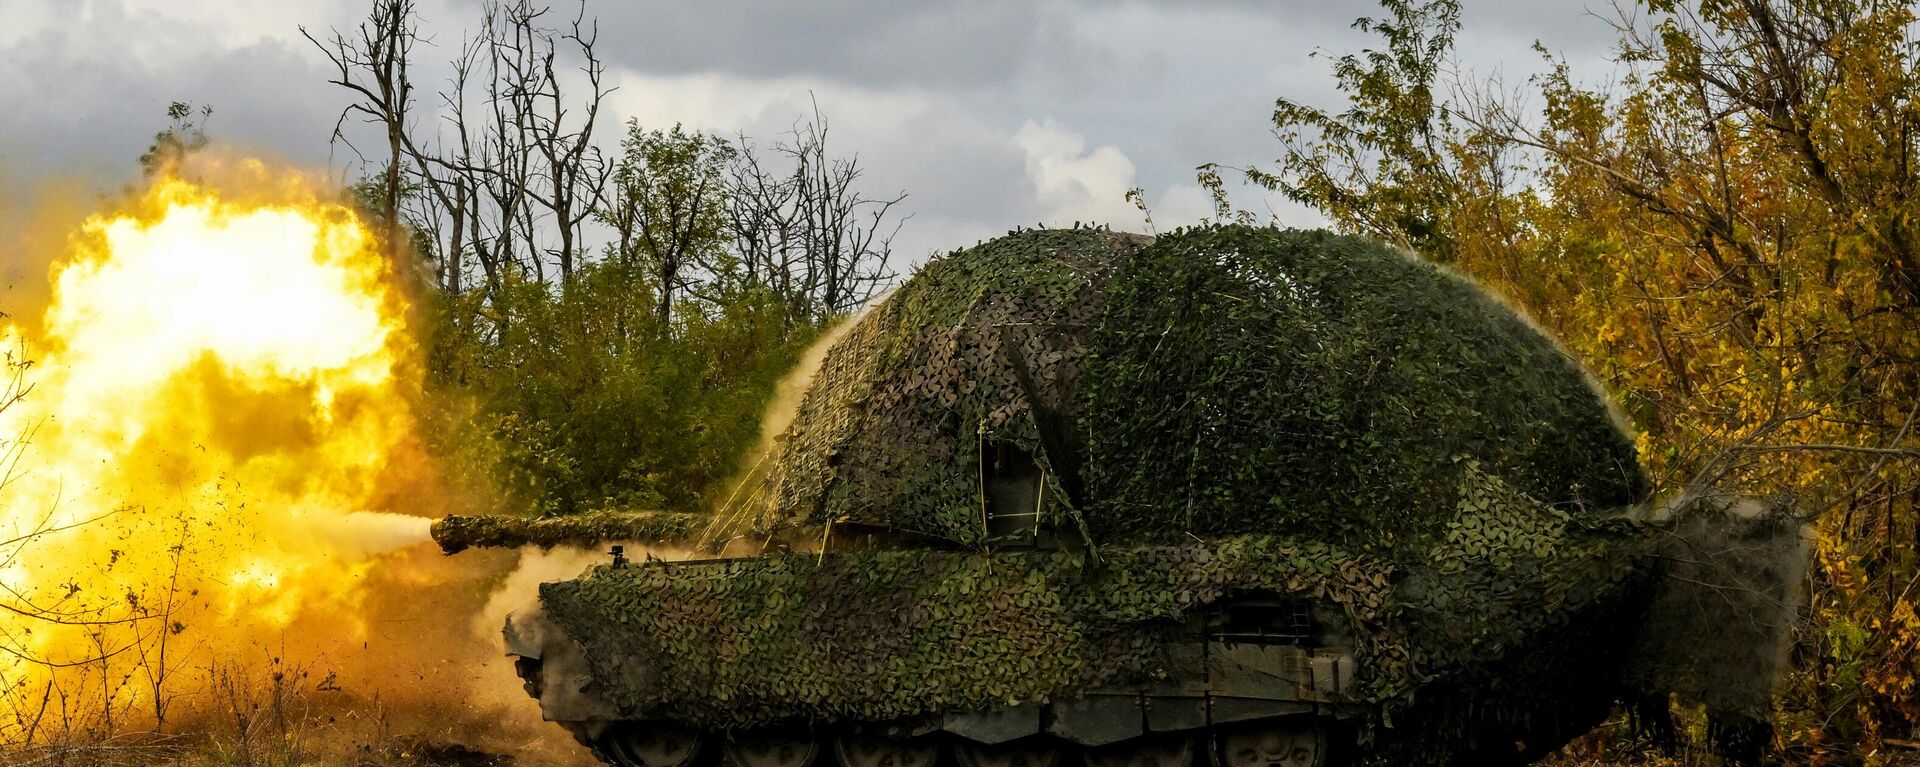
[1231, 495]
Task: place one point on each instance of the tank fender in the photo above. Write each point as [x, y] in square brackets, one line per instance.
[520, 642]
[995, 726]
[1098, 718]
[569, 692]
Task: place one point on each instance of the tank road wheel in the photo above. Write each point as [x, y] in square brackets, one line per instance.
[1276, 744]
[875, 751]
[652, 744]
[1150, 751]
[771, 749]
[1025, 752]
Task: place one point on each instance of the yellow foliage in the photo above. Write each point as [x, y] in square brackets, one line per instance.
[1728, 238]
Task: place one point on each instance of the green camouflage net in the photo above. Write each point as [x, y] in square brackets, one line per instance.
[1254, 379]
[883, 635]
[889, 634]
[1212, 381]
[891, 431]
[1718, 628]
[458, 533]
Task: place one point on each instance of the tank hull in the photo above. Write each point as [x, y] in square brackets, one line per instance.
[1082, 652]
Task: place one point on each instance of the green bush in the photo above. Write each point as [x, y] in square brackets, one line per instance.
[587, 404]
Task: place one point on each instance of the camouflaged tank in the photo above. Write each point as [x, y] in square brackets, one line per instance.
[1266, 498]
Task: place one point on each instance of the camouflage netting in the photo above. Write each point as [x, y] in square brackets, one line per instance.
[1717, 629]
[458, 533]
[891, 431]
[889, 634]
[1212, 381]
[1248, 379]
[886, 634]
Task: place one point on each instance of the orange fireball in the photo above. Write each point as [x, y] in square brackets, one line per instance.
[221, 394]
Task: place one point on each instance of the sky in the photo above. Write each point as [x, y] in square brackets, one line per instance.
[988, 114]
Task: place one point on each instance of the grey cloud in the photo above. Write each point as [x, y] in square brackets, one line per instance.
[926, 43]
[83, 105]
[1171, 83]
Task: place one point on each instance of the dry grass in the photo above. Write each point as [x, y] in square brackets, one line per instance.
[1611, 745]
[281, 717]
[1606, 749]
[204, 751]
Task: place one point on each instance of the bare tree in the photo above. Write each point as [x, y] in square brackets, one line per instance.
[537, 163]
[445, 174]
[764, 222]
[503, 169]
[847, 237]
[572, 168]
[807, 230]
[24, 608]
[372, 62]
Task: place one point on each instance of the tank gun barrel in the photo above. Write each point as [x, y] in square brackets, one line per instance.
[458, 533]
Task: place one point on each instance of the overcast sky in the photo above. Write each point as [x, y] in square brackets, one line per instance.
[988, 113]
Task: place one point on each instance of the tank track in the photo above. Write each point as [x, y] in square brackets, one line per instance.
[1300, 740]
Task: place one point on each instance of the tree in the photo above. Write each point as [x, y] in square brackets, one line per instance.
[112, 626]
[373, 64]
[184, 136]
[807, 230]
[846, 238]
[1380, 167]
[667, 207]
[560, 169]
